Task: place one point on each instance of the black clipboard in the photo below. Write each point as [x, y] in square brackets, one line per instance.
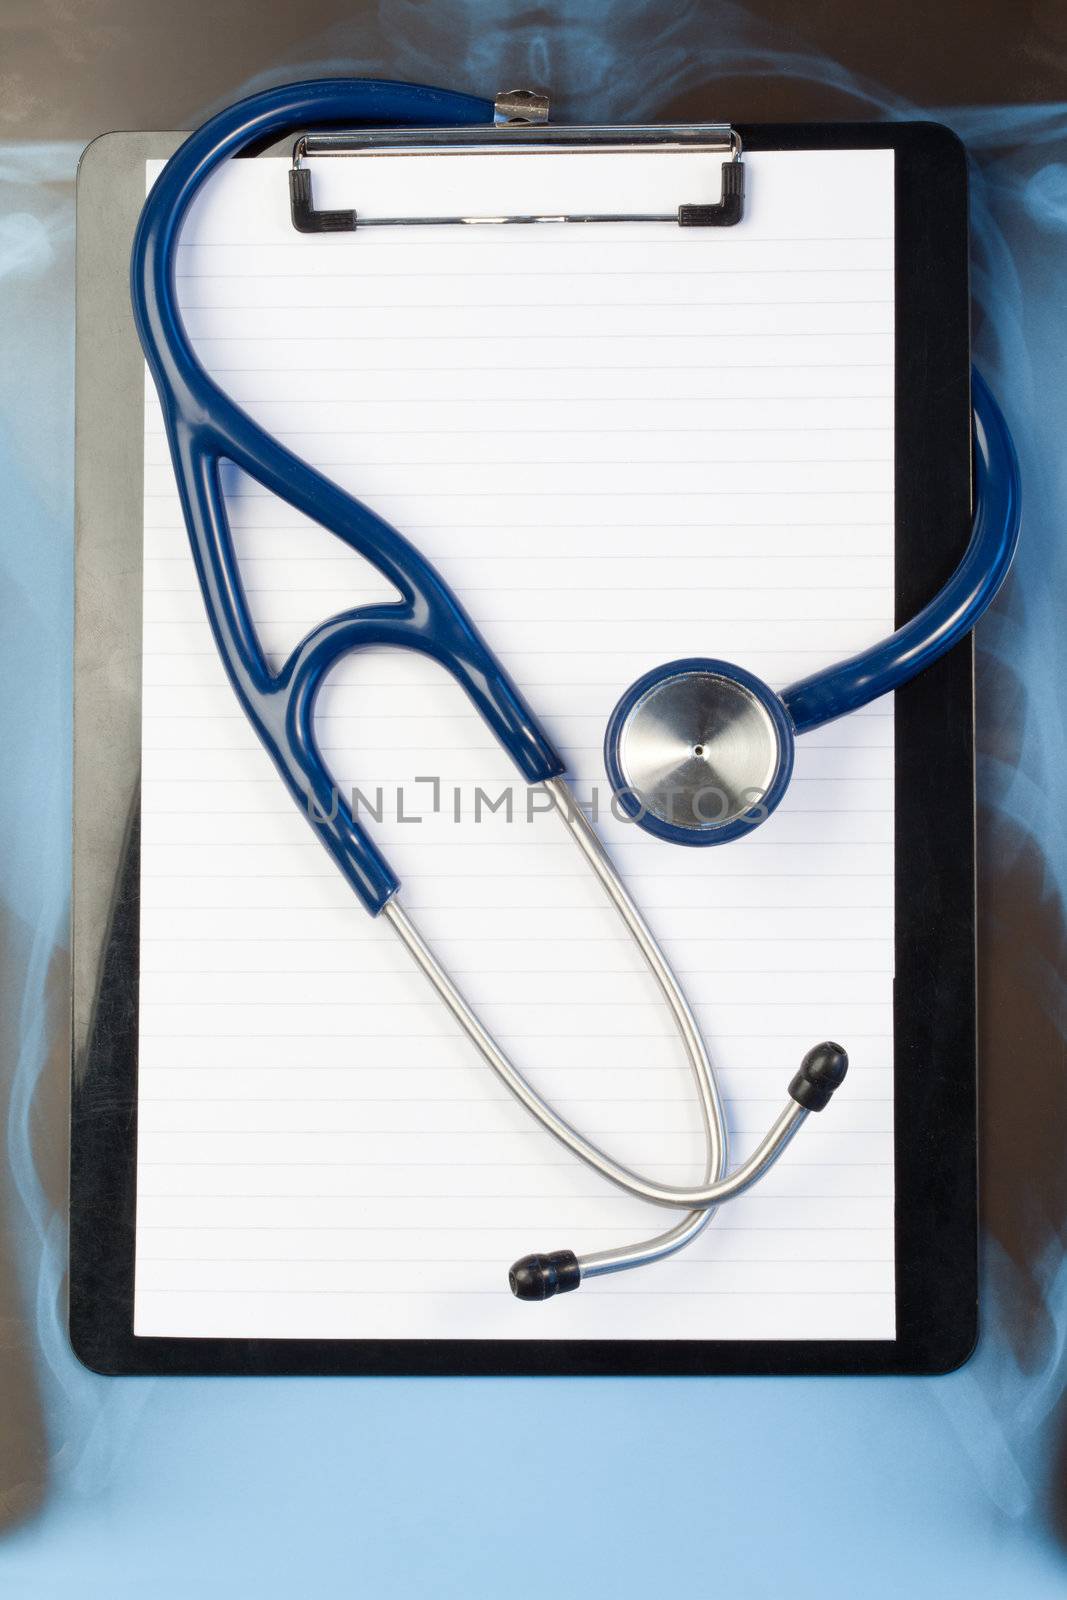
[934, 1004]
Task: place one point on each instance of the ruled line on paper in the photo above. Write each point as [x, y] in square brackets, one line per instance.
[543, 503]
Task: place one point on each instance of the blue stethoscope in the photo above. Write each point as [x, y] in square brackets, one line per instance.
[698, 751]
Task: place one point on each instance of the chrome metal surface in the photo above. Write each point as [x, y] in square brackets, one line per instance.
[527, 136]
[714, 138]
[643, 1251]
[698, 1199]
[520, 105]
[511, 219]
[699, 750]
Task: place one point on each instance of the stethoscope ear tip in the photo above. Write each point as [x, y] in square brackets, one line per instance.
[540, 1277]
[822, 1071]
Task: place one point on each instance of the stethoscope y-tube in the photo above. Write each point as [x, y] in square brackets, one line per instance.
[205, 427]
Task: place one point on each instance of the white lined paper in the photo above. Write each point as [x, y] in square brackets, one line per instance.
[621, 445]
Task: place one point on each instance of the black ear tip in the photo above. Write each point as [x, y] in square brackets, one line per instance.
[826, 1063]
[524, 1279]
[540, 1277]
[822, 1071]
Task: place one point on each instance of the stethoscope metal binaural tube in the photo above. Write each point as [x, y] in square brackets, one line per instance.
[205, 427]
[821, 1073]
[534, 1273]
[715, 1131]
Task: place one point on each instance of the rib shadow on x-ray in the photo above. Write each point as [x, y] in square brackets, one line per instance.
[36, 492]
[24, 1443]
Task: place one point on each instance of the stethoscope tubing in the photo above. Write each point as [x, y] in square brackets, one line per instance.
[952, 613]
[205, 427]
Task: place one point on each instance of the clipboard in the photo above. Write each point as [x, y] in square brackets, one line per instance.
[934, 1005]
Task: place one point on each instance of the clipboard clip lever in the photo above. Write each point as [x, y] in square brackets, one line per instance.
[520, 122]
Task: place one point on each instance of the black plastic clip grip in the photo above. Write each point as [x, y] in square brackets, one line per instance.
[302, 205]
[726, 212]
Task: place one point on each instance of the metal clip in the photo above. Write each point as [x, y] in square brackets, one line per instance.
[517, 133]
[520, 105]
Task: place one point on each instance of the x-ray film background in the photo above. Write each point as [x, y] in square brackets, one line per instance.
[270, 1487]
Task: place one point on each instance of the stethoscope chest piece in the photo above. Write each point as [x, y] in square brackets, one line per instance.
[699, 751]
